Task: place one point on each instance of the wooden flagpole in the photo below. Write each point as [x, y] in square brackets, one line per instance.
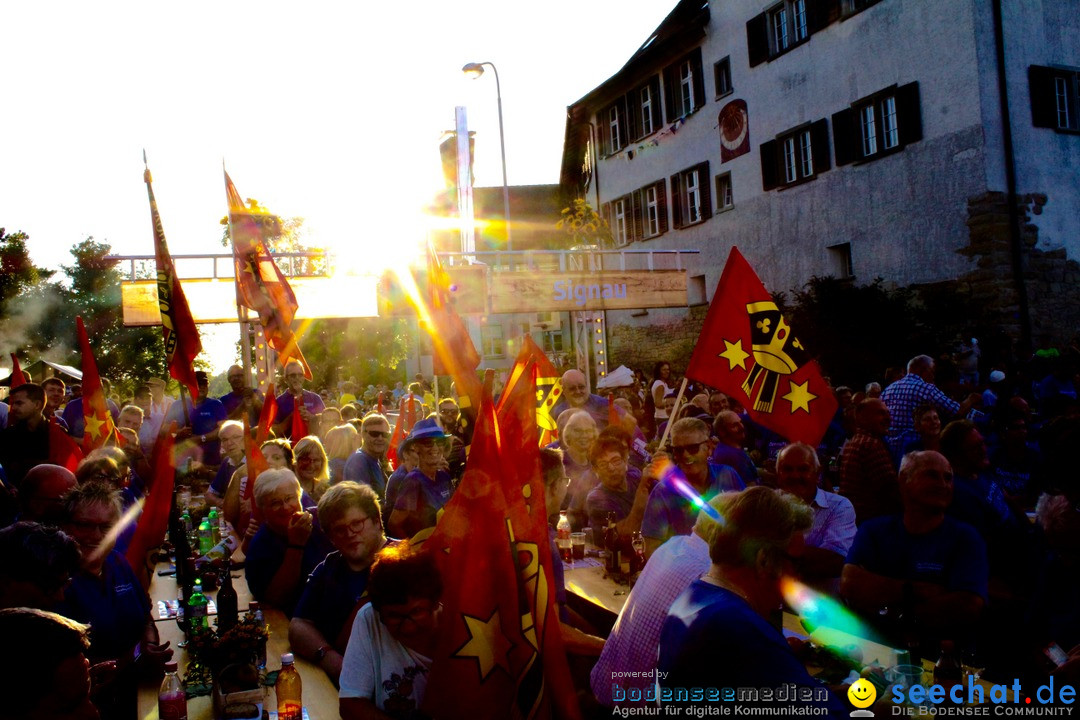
[672, 414]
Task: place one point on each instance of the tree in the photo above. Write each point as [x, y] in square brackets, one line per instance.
[125, 355]
[369, 349]
[582, 225]
[29, 301]
[290, 237]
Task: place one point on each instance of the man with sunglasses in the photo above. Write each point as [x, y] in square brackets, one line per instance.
[319, 629]
[674, 502]
[368, 465]
[310, 404]
[427, 488]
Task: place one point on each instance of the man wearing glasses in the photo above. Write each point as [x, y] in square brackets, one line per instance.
[368, 465]
[320, 627]
[674, 502]
[427, 488]
[576, 394]
[310, 404]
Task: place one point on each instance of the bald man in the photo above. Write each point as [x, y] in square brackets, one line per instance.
[576, 395]
[730, 433]
[242, 398]
[41, 496]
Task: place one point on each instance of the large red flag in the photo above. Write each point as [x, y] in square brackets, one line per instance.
[99, 423]
[299, 428]
[398, 435]
[62, 449]
[182, 342]
[256, 463]
[747, 349]
[455, 355]
[499, 653]
[17, 376]
[154, 521]
[260, 283]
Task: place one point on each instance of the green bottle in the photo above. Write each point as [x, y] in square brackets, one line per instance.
[197, 610]
[206, 537]
[214, 518]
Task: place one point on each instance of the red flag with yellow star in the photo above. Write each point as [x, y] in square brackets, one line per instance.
[99, 423]
[489, 661]
[260, 284]
[182, 342]
[747, 349]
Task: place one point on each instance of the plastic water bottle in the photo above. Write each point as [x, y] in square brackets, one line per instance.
[197, 610]
[206, 537]
[215, 524]
[288, 690]
[172, 702]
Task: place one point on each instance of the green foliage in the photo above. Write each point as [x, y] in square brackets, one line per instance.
[856, 332]
[289, 235]
[369, 349]
[582, 225]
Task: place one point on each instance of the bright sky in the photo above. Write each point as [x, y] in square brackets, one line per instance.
[327, 110]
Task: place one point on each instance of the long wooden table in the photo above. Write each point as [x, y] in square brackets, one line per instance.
[319, 694]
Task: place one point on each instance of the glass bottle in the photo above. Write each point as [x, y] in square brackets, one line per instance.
[228, 605]
[562, 537]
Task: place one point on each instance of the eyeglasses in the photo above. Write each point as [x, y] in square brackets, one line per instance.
[429, 443]
[356, 527]
[88, 526]
[416, 615]
[278, 505]
[614, 462]
[448, 411]
[689, 448]
[378, 433]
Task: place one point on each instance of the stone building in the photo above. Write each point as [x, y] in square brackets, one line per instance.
[852, 138]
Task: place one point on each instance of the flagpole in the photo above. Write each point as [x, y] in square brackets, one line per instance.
[436, 408]
[672, 413]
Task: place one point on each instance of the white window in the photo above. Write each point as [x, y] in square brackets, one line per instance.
[686, 87]
[725, 200]
[618, 225]
[788, 24]
[1061, 100]
[798, 15]
[890, 132]
[693, 197]
[646, 111]
[614, 141]
[652, 211]
[779, 23]
[722, 76]
[806, 154]
[790, 159]
[491, 339]
[869, 130]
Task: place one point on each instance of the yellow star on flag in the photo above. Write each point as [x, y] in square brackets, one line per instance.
[799, 396]
[487, 644]
[734, 354]
[93, 426]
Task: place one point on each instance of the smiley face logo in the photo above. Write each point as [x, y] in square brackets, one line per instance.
[862, 693]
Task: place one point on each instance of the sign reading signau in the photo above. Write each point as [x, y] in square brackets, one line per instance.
[512, 292]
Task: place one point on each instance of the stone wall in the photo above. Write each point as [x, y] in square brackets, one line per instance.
[1052, 280]
[641, 347]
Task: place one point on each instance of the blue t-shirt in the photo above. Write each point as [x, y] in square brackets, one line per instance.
[713, 639]
[204, 419]
[232, 400]
[362, 468]
[393, 487]
[738, 460]
[224, 475]
[602, 501]
[422, 496]
[114, 605]
[73, 416]
[951, 555]
[267, 552]
[285, 404]
[331, 593]
[669, 512]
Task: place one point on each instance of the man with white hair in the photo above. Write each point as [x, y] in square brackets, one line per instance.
[231, 437]
[915, 389]
[309, 404]
[288, 546]
[575, 386]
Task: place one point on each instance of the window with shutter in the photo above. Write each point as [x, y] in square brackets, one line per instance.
[722, 76]
[691, 195]
[725, 198]
[661, 205]
[786, 25]
[796, 156]
[685, 83]
[1055, 98]
[878, 125]
[705, 190]
[757, 39]
[676, 204]
[770, 177]
[620, 217]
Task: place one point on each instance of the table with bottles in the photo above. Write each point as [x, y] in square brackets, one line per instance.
[320, 697]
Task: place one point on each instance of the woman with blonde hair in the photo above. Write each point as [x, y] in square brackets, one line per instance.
[341, 442]
[312, 468]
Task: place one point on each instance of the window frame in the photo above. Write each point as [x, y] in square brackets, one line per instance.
[725, 192]
[680, 87]
[878, 125]
[795, 156]
[621, 213]
[488, 337]
[1055, 98]
[650, 219]
[691, 201]
[615, 129]
[789, 26]
[722, 72]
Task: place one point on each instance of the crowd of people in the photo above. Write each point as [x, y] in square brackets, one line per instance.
[933, 509]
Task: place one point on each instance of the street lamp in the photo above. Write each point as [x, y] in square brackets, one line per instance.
[475, 70]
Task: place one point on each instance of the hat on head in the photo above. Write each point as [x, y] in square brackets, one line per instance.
[155, 381]
[427, 428]
[201, 376]
[997, 376]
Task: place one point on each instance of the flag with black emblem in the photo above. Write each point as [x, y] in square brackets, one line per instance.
[748, 350]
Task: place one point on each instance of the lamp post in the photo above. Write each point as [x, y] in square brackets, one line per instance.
[475, 70]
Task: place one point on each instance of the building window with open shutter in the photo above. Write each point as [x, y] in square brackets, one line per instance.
[691, 196]
[652, 211]
[722, 77]
[795, 156]
[684, 83]
[614, 129]
[725, 198]
[786, 25]
[1055, 98]
[877, 125]
[620, 211]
